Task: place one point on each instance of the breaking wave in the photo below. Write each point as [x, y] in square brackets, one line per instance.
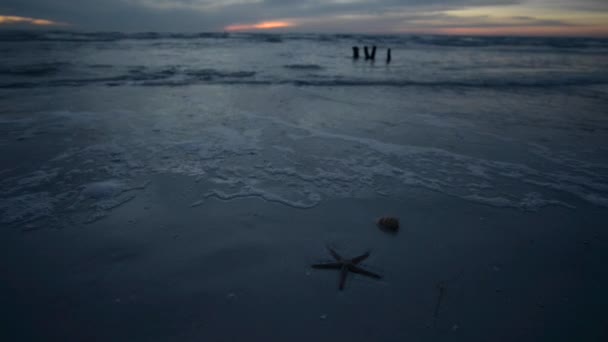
[171, 77]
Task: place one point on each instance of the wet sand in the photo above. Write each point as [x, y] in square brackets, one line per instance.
[158, 269]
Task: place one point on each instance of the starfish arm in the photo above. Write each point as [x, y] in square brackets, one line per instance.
[328, 265]
[360, 258]
[343, 274]
[361, 271]
[334, 253]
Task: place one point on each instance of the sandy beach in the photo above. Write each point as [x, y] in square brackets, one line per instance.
[158, 270]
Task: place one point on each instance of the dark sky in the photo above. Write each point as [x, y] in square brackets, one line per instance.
[559, 17]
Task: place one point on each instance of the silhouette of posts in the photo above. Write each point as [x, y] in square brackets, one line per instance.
[372, 55]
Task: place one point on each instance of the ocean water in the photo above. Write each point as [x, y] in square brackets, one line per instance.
[100, 131]
[156, 59]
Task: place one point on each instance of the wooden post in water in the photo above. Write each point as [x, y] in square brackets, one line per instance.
[388, 56]
[355, 52]
[373, 56]
[366, 51]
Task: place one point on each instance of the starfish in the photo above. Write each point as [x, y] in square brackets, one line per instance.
[346, 265]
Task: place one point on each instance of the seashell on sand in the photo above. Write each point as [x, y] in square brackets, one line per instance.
[388, 224]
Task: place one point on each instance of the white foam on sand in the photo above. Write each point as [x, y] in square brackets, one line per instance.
[26, 208]
[312, 200]
[103, 196]
[297, 164]
[29, 181]
[455, 174]
[102, 190]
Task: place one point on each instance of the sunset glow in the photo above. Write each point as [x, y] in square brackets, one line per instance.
[449, 17]
[265, 25]
[13, 19]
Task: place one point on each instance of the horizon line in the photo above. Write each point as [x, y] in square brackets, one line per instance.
[269, 32]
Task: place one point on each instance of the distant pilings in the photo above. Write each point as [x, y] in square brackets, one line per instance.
[370, 55]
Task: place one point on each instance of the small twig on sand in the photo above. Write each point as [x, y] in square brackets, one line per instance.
[441, 288]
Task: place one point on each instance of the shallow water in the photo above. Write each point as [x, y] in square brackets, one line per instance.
[91, 149]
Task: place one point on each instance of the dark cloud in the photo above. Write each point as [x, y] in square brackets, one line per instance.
[213, 15]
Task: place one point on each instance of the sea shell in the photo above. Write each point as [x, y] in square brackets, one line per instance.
[388, 224]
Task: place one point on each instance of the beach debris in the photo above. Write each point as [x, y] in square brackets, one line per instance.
[388, 224]
[366, 52]
[441, 293]
[441, 289]
[373, 54]
[346, 265]
[355, 52]
[388, 56]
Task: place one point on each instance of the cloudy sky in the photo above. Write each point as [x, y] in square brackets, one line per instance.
[502, 17]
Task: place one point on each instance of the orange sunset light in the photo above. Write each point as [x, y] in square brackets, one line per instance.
[13, 19]
[264, 25]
